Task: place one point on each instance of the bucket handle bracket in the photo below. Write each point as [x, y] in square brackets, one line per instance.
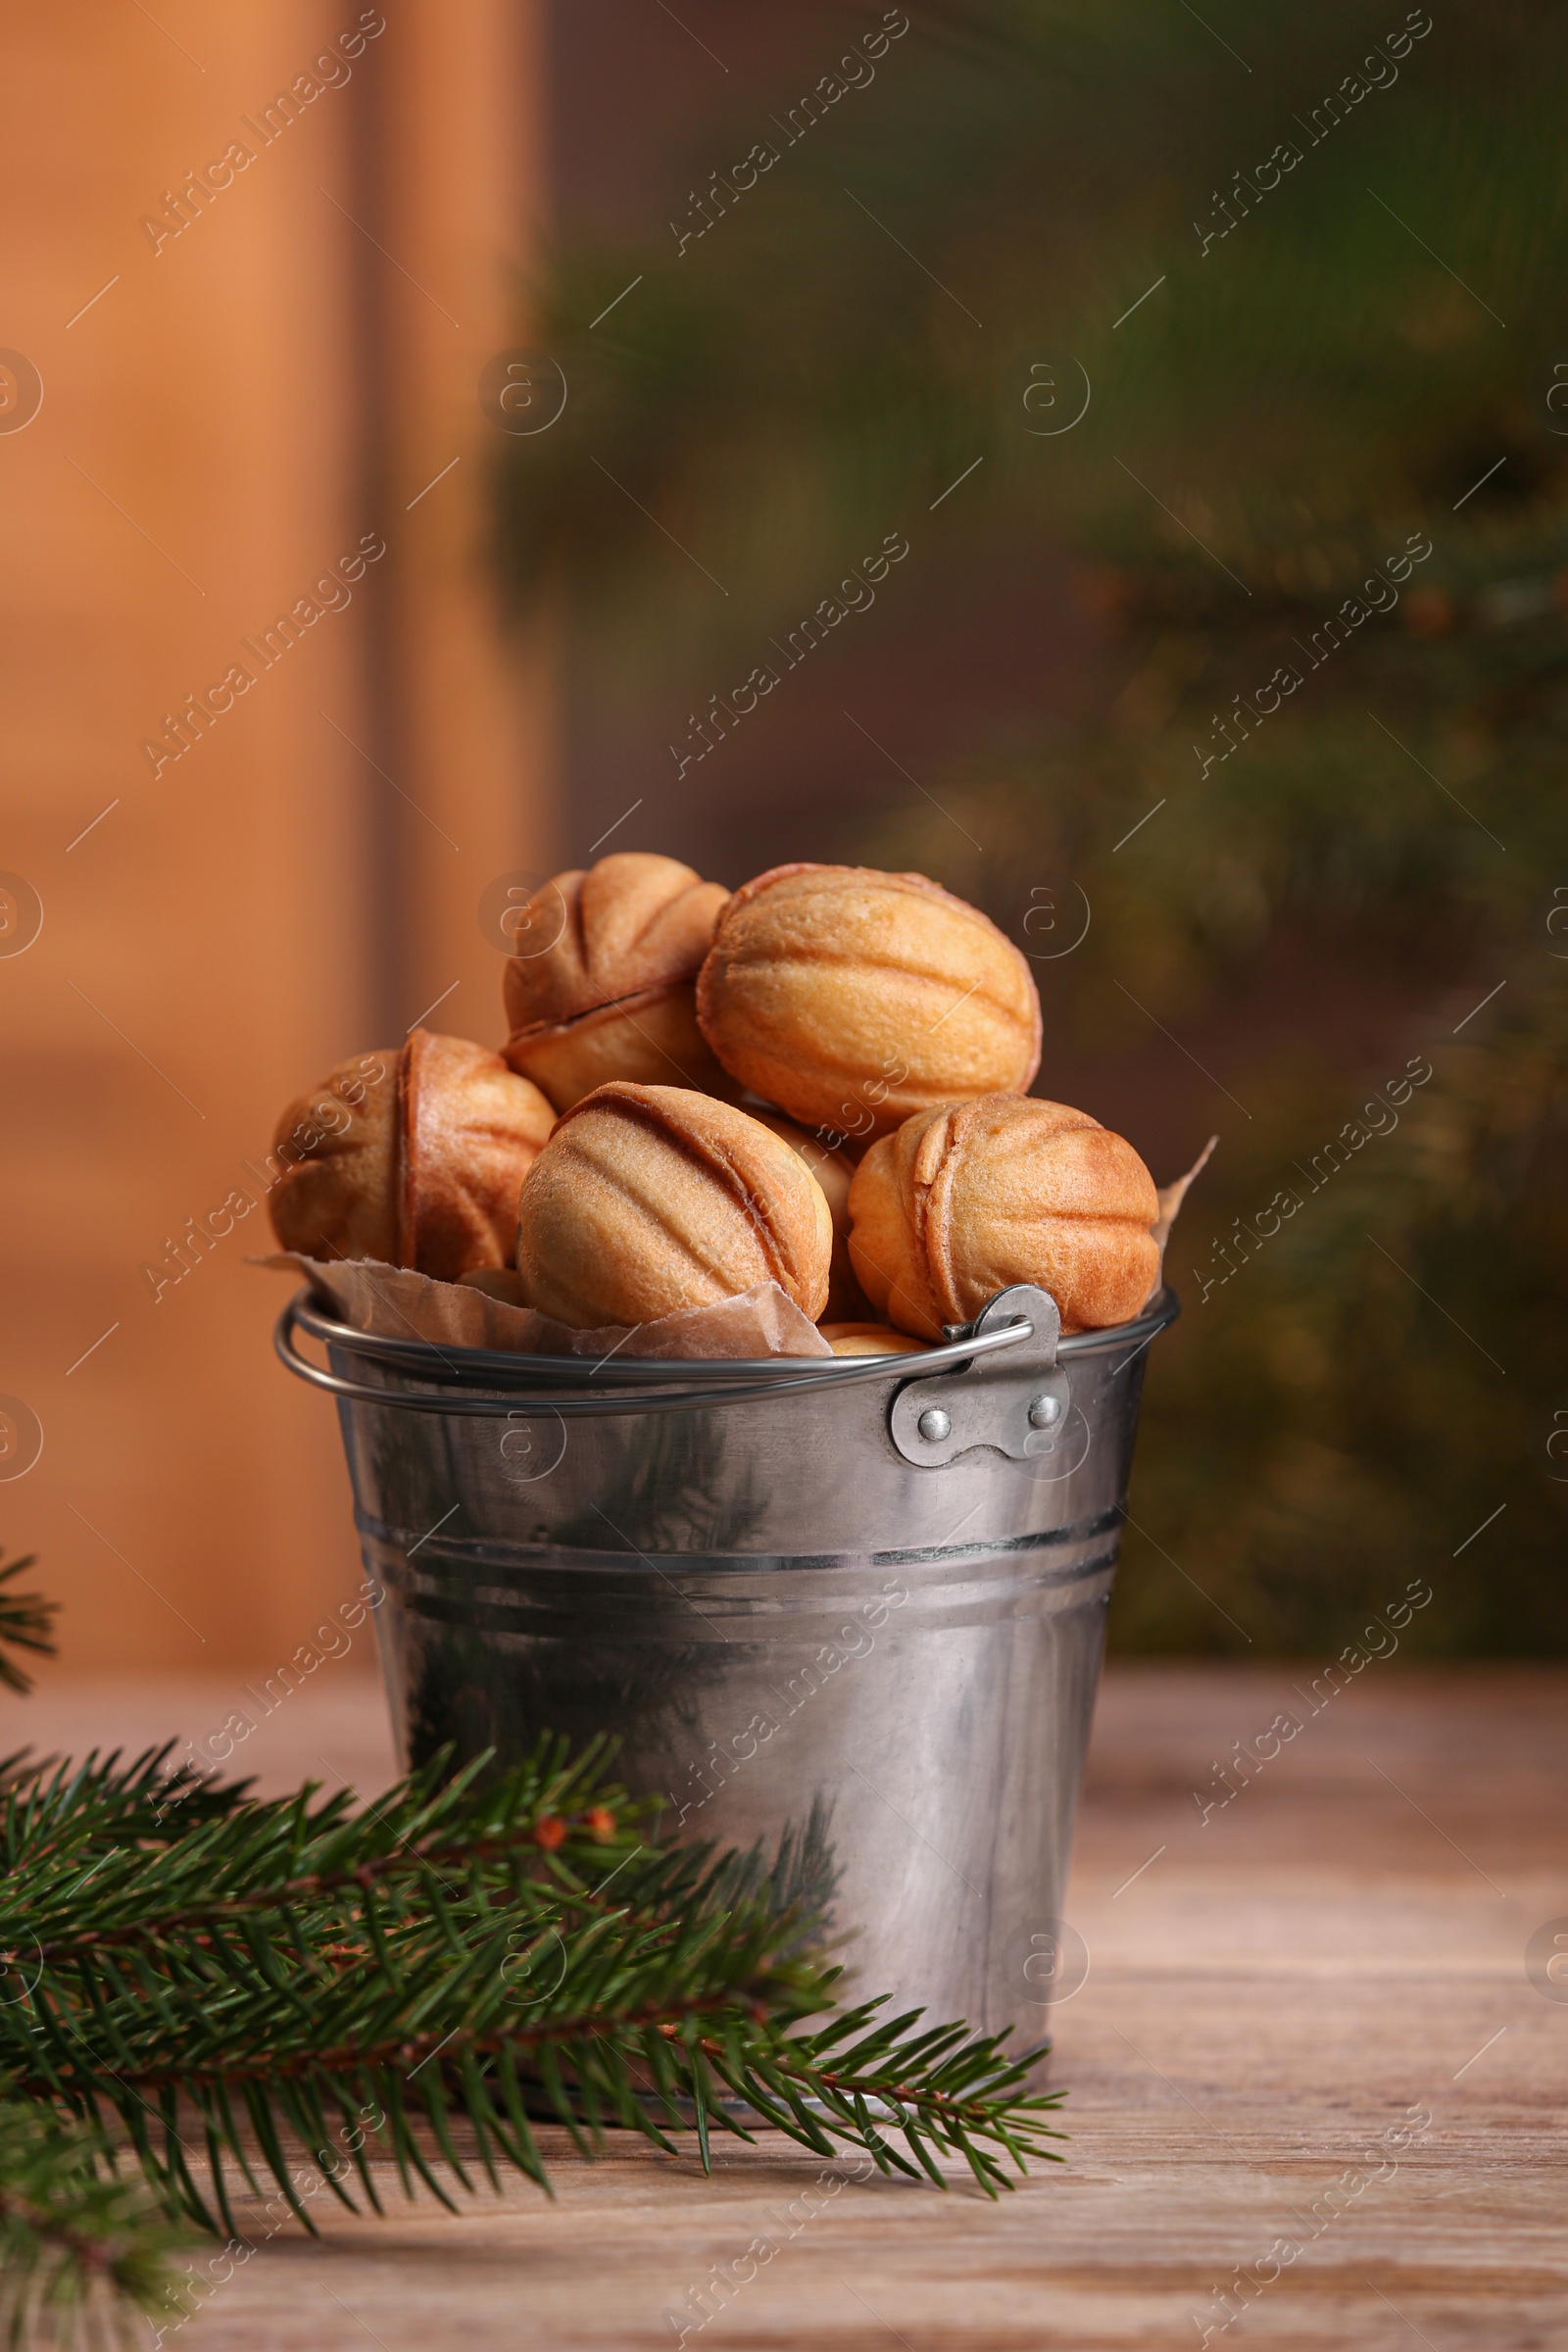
[1018, 1401]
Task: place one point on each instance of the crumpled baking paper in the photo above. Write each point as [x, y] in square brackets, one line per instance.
[1170, 1197]
[484, 1310]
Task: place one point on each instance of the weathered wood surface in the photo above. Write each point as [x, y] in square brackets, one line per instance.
[1342, 1944]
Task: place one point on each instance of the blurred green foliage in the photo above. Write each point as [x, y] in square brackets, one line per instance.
[1320, 376]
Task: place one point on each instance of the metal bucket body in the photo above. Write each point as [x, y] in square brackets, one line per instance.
[793, 1628]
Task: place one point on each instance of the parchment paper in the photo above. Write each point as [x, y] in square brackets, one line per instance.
[1170, 1197]
[484, 1310]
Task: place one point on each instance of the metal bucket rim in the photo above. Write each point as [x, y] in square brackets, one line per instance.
[444, 1364]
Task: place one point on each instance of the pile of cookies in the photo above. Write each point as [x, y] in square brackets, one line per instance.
[817, 1081]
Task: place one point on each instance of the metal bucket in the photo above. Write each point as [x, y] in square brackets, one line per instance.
[857, 1605]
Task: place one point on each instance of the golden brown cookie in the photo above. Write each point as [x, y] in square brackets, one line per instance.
[833, 1170]
[971, 1196]
[869, 1338]
[852, 998]
[415, 1157]
[649, 1199]
[605, 987]
[337, 1195]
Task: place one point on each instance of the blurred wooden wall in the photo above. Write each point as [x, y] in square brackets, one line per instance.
[227, 412]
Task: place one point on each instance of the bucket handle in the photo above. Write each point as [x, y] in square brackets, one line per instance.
[1022, 1407]
[843, 1371]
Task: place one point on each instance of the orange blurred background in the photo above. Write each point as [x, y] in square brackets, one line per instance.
[267, 251]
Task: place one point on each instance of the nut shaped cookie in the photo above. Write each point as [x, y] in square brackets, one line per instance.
[971, 1196]
[336, 1150]
[852, 998]
[472, 1130]
[834, 1171]
[419, 1165]
[649, 1199]
[604, 985]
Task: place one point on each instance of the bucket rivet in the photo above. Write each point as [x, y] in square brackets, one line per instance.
[934, 1424]
[1044, 1412]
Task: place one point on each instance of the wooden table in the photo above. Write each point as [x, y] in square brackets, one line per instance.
[1338, 1952]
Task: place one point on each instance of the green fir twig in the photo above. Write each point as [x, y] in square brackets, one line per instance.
[481, 1951]
[27, 1622]
[81, 2246]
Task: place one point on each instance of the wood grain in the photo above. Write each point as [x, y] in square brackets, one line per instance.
[1268, 1995]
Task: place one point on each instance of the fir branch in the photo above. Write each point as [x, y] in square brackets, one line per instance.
[399, 1840]
[49, 1809]
[79, 2245]
[27, 1622]
[235, 1856]
[471, 1952]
